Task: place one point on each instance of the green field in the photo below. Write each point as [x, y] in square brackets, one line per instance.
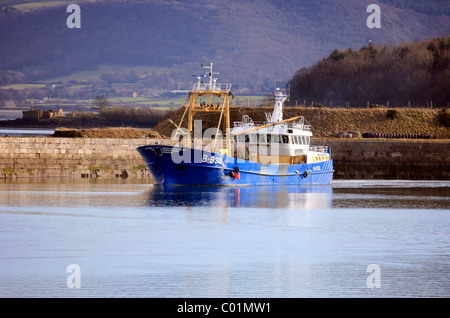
[96, 73]
[22, 86]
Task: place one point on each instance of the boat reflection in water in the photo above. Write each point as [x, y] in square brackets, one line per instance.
[295, 197]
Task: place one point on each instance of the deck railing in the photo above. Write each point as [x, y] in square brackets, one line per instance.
[319, 148]
[214, 87]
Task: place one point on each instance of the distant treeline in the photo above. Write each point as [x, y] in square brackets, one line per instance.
[408, 74]
[121, 116]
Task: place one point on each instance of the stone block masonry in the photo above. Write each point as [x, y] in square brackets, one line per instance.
[72, 157]
[118, 158]
[391, 159]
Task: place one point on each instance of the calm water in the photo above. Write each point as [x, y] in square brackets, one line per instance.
[25, 132]
[131, 239]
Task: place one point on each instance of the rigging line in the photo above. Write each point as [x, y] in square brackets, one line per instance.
[218, 126]
[315, 131]
[178, 127]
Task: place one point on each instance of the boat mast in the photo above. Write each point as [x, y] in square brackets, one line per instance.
[214, 92]
[277, 114]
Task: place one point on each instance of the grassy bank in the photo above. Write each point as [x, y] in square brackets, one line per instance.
[330, 122]
[110, 132]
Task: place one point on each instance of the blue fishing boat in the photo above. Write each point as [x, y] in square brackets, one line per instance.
[275, 152]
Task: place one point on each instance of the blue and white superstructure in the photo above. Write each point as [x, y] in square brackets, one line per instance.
[276, 152]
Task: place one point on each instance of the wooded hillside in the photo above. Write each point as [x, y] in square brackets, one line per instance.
[410, 73]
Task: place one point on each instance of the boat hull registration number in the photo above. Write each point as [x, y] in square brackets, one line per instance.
[212, 159]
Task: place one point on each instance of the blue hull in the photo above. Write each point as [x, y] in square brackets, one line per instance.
[201, 167]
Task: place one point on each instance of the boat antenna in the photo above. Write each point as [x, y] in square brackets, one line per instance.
[210, 73]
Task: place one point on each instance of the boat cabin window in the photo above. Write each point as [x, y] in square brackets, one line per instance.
[253, 137]
[261, 138]
[275, 138]
[295, 140]
[305, 140]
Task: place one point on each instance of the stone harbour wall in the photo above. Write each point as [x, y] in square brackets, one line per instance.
[118, 158]
[391, 159]
[71, 157]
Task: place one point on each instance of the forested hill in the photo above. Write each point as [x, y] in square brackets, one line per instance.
[410, 73]
[252, 43]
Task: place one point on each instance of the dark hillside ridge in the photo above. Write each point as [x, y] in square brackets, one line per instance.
[253, 43]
